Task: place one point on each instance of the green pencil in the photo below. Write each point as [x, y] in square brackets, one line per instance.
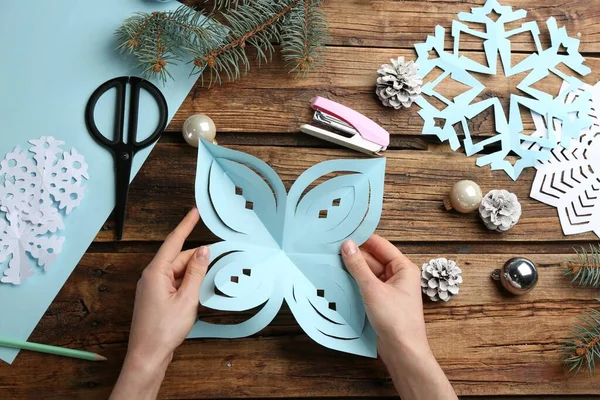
[44, 348]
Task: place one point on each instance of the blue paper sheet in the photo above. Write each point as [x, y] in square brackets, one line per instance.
[282, 246]
[55, 53]
[538, 65]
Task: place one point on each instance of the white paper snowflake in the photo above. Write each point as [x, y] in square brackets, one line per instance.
[34, 194]
[482, 23]
[570, 179]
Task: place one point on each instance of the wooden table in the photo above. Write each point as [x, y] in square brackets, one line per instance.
[488, 343]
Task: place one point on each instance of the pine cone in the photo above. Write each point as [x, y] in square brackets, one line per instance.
[398, 84]
[500, 210]
[440, 279]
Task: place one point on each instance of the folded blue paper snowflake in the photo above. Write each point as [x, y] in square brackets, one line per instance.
[538, 65]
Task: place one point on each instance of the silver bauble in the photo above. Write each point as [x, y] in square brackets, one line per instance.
[518, 275]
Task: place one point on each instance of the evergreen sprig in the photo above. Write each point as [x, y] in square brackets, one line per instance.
[584, 349]
[160, 39]
[303, 37]
[585, 268]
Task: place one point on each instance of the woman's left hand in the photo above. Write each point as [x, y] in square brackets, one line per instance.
[165, 310]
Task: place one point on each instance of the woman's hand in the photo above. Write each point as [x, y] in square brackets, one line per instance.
[390, 285]
[166, 307]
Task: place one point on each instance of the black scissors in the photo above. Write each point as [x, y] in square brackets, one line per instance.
[122, 151]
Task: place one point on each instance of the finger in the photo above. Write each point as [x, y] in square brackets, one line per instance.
[181, 261]
[398, 266]
[177, 283]
[174, 242]
[373, 263]
[194, 273]
[381, 249]
[357, 265]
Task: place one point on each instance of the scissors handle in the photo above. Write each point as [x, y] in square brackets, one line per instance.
[120, 84]
[123, 151]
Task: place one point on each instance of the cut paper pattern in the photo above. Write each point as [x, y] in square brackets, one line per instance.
[82, 33]
[34, 193]
[538, 65]
[570, 179]
[282, 246]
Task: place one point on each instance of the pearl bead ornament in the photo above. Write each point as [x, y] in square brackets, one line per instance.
[199, 126]
[464, 197]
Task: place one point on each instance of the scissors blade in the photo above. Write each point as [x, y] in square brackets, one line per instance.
[124, 160]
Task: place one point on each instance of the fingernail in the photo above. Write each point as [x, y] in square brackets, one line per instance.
[202, 254]
[349, 248]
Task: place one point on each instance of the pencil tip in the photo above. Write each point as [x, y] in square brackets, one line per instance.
[98, 357]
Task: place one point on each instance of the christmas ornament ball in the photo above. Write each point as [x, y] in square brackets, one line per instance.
[464, 197]
[518, 275]
[199, 126]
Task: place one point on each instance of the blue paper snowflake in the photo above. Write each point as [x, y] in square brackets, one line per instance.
[540, 64]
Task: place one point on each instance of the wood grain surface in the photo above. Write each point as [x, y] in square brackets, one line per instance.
[488, 343]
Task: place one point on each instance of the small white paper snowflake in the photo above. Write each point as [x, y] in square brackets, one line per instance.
[570, 179]
[33, 193]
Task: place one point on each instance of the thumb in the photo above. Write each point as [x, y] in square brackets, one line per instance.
[357, 265]
[195, 272]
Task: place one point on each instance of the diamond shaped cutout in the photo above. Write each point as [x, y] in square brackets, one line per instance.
[320, 293]
[249, 205]
[323, 214]
[336, 202]
[235, 279]
[451, 88]
[247, 271]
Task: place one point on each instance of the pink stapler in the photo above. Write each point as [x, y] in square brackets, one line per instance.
[347, 127]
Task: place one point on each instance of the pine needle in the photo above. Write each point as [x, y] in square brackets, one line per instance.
[584, 349]
[161, 39]
[585, 268]
[304, 35]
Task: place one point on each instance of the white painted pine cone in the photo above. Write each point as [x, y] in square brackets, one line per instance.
[399, 84]
[500, 210]
[440, 279]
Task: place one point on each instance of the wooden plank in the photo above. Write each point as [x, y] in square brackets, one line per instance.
[487, 342]
[388, 23]
[407, 247]
[416, 184]
[397, 142]
[269, 100]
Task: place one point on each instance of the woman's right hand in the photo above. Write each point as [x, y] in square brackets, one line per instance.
[390, 285]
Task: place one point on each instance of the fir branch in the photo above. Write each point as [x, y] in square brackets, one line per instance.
[224, 4]
[584, 349]
[585, 269]
[304, 35]
[159, 39]
[245, 28]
